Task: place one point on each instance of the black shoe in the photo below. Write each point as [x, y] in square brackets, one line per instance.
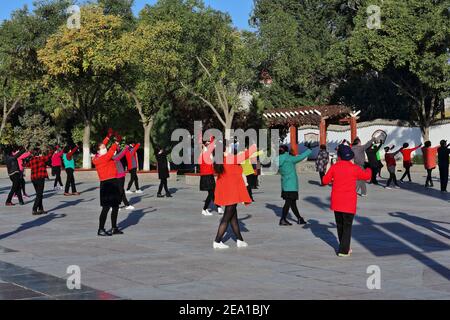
[301, 221]
[103, 233]
[168, 195]
[22, 203]
[159, 195]
[116, 231]
[42, 212]
[35, 213]
[285, 223]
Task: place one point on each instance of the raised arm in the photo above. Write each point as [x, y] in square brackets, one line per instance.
[302, 156]
[241, 157]
[24, 156]
[368, 144]
[19, 154]
[398, 151]
[70, 154]
[121, 154]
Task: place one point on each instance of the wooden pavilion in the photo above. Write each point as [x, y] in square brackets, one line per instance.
[321, 116]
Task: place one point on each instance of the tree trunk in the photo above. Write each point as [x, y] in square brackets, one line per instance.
[426, 132]
[87, 146]
[3, 125]
[228, 125]
[147, 130]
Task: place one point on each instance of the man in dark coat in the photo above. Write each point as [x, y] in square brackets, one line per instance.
[443, 154]
[163, 173]
[373, 161]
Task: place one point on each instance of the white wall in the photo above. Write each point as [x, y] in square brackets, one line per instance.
[397, 134]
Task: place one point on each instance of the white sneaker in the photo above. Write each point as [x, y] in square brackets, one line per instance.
[130, 208]
[206, 213]
[221, 245]
[128, 192]
[139, 191]
[120, 209]
[389, 188]
[241, 244]
[220, 210]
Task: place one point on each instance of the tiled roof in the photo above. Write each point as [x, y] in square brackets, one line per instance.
[308, 115]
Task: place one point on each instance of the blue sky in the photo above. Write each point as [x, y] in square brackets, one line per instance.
[239, 9]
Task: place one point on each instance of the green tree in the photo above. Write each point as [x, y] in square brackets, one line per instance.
[410, 49]
[20, 38]
[81, 65]
[295, 38]
[34, 131]
[152, 56]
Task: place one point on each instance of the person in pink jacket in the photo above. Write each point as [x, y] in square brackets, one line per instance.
[121, 173]
[56, 167]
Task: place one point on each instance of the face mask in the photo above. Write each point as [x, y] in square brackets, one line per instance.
[102, 152]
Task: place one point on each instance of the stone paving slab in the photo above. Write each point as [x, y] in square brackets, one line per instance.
[166, 251]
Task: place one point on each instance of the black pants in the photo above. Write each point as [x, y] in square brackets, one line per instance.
[163, 184]
[70, 182]
[250, 193]
[443, 174]
[406, 174]
[15, 188]
[39, 188]
[209, 199]
[58, 180]
[104, 215]
[229, 217]
[374, 174]
[429, 181]
[321, 175]
[121, 184]
[134, 179]
[392, 178]
[290, 204]
[344, 223]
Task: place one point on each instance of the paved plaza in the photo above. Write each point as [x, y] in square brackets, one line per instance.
[166, 251]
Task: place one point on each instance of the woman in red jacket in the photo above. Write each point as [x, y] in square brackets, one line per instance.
[110, 195]
[429, 161]
[207, 180]
[344, 175]
[230, 191]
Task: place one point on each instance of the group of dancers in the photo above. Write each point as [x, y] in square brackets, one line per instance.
[368, 156]
[236, 177]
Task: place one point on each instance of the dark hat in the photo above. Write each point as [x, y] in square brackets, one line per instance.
[345, 152]
[443, 142]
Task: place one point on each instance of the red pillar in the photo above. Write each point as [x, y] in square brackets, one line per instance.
[323, 131]
[353, 129]
[294, 141]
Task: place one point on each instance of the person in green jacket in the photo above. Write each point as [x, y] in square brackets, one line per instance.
[289, 182]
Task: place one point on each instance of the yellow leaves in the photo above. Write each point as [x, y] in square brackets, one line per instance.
[72, 52]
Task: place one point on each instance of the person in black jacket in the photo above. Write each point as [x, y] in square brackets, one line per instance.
[443, 154]
[12, 166]
[373, 161]
[163, 172]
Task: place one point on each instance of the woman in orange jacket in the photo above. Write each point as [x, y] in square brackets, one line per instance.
[429, 161]
[110, 195]
[230, 191]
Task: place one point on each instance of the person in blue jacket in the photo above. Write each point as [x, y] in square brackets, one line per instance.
[289, 182]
